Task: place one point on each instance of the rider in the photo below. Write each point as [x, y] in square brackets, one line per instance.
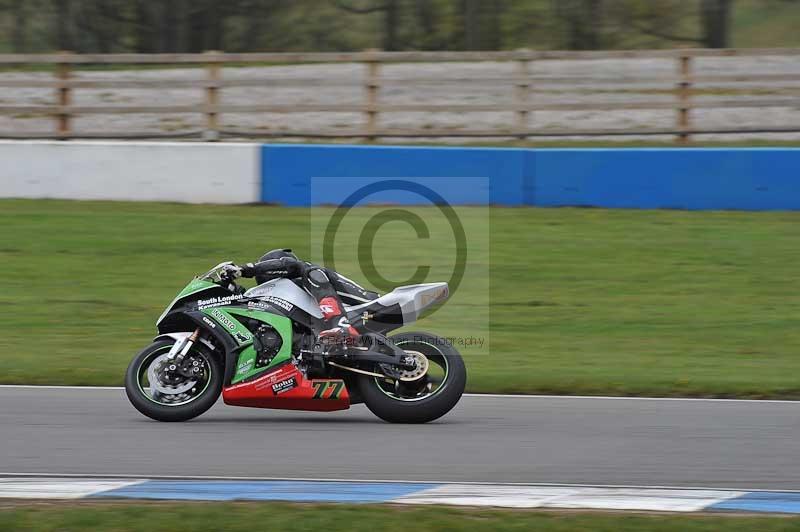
[282, 263]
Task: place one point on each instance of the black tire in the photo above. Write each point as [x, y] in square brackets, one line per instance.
[183, 412]
[419, 410]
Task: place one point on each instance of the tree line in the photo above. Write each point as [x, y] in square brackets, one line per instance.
[150, 26]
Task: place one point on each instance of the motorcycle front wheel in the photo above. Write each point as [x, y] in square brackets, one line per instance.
[160, 393]
[423, 394]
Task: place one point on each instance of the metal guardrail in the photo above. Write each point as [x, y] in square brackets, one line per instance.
[524, 83]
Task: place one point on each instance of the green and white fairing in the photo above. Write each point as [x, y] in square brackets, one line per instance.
[194, 287]
[223, 317]
[245, 365]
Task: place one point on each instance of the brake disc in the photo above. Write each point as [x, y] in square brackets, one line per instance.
[156, 385]
[419, 371]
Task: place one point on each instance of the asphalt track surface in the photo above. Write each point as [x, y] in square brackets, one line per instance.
[598, 441]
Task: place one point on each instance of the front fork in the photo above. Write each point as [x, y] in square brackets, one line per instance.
[182, 347]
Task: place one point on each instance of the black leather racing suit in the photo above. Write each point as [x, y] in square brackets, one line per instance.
[315, 279]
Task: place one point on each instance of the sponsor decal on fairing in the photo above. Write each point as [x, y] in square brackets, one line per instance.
[265, 302]
[218, 301]
[284, 385]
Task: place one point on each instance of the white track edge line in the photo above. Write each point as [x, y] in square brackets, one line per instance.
[629, 398]
[479, 395]
[110, 476]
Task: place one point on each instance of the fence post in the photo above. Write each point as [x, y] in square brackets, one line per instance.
[684, 94]
[523, 87]
[372, 87]
[213, 73]
[63, 97]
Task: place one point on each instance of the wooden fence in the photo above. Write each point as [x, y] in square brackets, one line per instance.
[682, 92]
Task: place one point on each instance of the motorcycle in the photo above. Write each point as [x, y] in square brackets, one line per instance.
[261, 348]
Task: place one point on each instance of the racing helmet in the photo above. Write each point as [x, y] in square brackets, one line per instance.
[274, 254]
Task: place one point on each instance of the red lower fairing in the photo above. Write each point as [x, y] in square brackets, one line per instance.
[287, 388]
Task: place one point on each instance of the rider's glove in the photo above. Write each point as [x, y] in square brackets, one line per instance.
[248, 270]
[232, 271]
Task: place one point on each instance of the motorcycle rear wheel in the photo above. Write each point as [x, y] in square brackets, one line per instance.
[424, 400]
[181, 405]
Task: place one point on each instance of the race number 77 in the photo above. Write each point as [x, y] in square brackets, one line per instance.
[321, 387]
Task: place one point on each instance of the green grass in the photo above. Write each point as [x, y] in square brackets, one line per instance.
[168, 517]
[760, 24]
[582, 301]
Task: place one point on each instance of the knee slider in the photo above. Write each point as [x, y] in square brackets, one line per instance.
[318, 277]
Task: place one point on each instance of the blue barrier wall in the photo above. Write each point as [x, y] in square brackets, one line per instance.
[690, 178]
[288, 171]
